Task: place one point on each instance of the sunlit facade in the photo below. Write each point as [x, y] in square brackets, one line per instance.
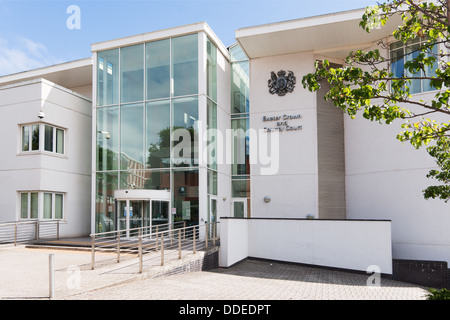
[147, 96]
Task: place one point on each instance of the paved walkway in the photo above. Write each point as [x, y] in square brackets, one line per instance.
[24, 275]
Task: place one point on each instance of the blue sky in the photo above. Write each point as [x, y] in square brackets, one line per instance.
[34, 33]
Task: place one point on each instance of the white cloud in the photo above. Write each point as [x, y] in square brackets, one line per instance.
[21, 54]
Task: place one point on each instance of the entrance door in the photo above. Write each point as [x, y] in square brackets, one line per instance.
[131, 216]
[160, 212]
[239, 207]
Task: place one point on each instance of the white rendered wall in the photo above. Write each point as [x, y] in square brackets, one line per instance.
[293, 186]
[41, 171]
[353, 245]
[385, 179]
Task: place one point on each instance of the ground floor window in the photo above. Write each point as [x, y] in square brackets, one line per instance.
[42, 205]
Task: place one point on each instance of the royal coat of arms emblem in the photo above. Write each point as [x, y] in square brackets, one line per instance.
[281, 83]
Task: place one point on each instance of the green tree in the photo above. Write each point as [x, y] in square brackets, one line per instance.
[367, 83]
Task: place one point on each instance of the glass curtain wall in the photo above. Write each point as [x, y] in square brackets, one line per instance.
[146, 92]
[240, 108]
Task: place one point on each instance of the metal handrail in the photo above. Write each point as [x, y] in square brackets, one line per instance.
[26, 231]
[167, 242]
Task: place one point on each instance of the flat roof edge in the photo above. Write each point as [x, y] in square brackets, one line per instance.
[300, 23]
[160, 34]
[46, 70]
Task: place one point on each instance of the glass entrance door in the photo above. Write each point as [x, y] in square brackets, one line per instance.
[239, 208]
[131, 214]
[160, 212]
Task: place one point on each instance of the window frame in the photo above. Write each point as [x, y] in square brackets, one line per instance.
[404, 47]
[40, 204]
[42, 139]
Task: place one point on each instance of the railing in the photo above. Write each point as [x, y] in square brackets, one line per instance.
[159, 244]
[26, 231]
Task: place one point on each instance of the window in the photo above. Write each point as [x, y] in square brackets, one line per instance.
[53, 205]
[29, 205]
[402, 53]
[53, 138]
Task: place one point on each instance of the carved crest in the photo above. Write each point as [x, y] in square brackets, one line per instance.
[281, 83]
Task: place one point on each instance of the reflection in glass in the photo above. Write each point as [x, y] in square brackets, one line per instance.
[238, 209]
[184, 117]
[160, 212]
[59, 141]
[35, 137]
[240, 87]
[108, 77]
[48, 138]
[212, 182]
[104, 217]
[25, 138]
[158, 69]
[158, 134]
[185, 65]
[240, 188]
[132, 136]
[212, 134]
[211, 70]
[241, 147]
[107, 138]
[132, 73]
[185, 196]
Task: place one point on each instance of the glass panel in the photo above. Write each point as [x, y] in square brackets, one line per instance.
[158, 69]
[58, 206]
[104, 205]
[185, 196]
[237, 53]
[48, 138]
[122, 215]
[430, 71]
[25, 138]
[132, 73]
[411, 54]
[160, 213]
[35, 137]
[241, 147]
[108, 77]
[184, 132]
[136, 214]
[212, 182]
[47, 205]
[60, 141]
[213, 217]
[34, 205]
[238, 209]
[108, 138]
[397, 67]
[134, 179]
[132, 136]
[185, 65]
[24, 205]
[240, 188]
[212, 134]
[240, 87]
[211, 70]
[158, 134]
[145, 179]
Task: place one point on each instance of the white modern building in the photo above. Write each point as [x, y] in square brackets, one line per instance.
[171, 125]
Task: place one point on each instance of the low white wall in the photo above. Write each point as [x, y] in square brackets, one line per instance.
[347, 244]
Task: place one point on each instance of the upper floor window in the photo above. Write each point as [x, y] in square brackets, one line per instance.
[45, 137]
[401, 53]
